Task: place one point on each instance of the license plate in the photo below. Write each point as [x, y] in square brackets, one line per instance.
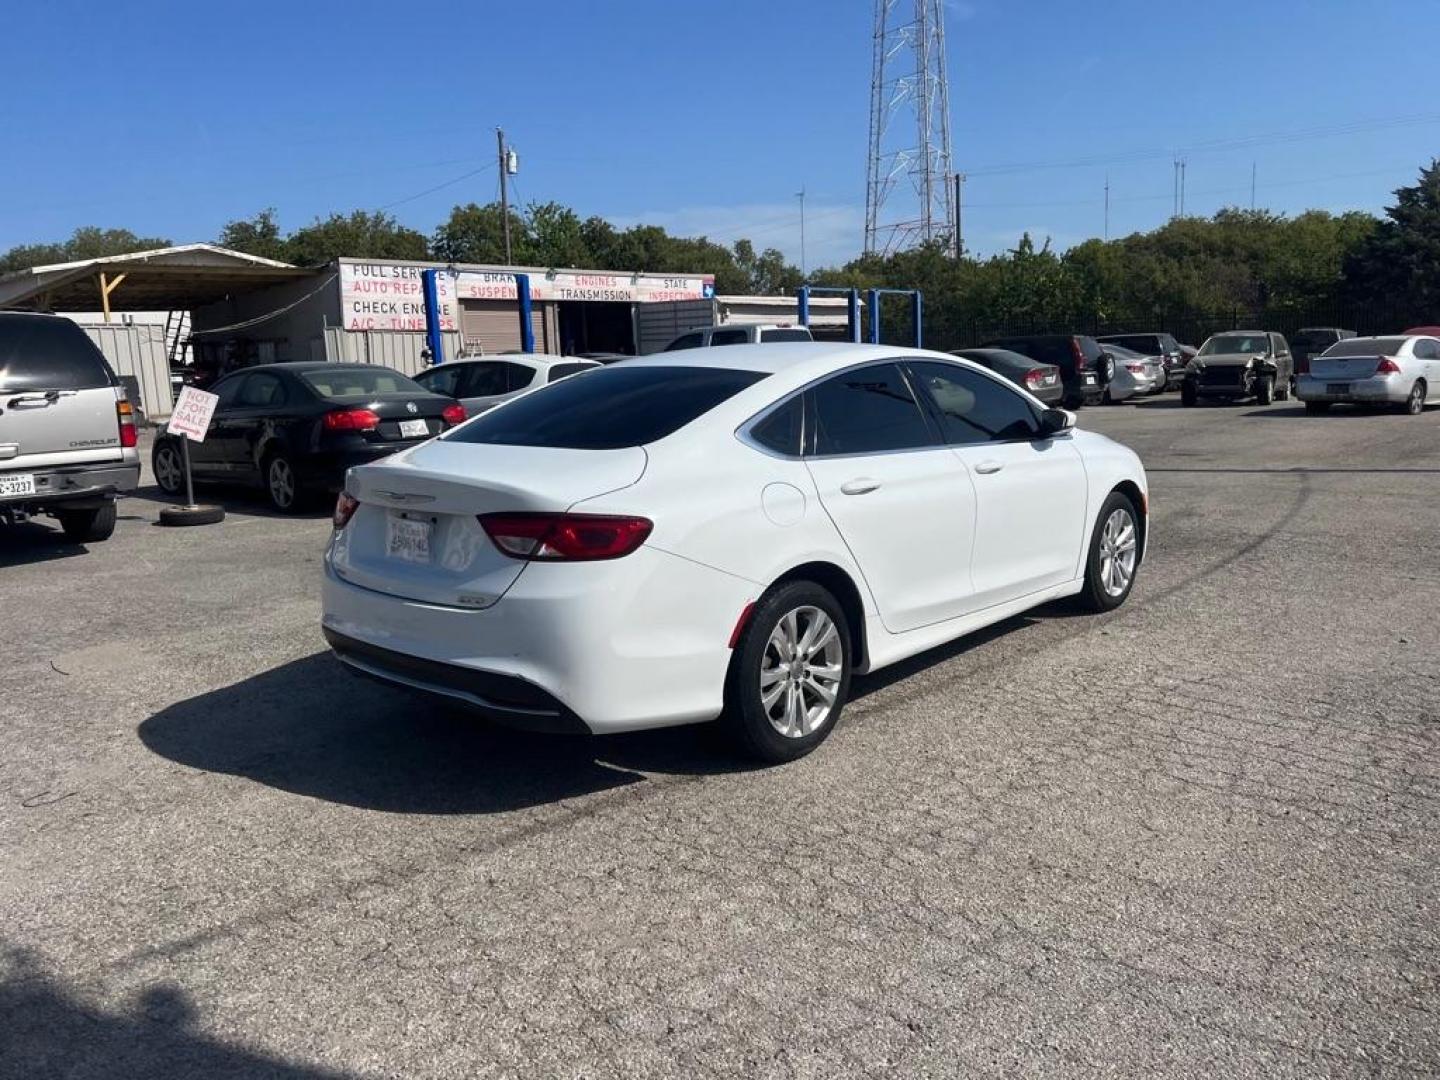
[409, 429]
[1337, 388]
[1089, 378]
[407, 539]
[18, 484]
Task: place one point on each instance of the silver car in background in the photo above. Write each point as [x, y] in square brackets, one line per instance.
[483, 382]
[1399, 371]
[1134, 375]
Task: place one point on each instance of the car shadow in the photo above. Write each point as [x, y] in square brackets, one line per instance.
[47, 1031]
[35, 542]
[312, 728]
[241, 499]
[1298, 412]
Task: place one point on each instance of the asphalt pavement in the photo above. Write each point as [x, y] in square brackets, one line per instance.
[1196, 837]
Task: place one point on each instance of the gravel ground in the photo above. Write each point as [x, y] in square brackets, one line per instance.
[1197, 837]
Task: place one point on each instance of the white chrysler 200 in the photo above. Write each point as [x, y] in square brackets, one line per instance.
[726, 532]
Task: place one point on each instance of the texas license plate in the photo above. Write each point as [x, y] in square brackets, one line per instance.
[407, 539]
[410, 429]
[17, 484]
[1337, 388]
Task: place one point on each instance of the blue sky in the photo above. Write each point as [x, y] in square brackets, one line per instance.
[171, 118]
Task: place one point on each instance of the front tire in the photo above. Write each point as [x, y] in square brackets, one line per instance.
[1265, 391]
[88, 526]
[1114, 555]
[790, 673]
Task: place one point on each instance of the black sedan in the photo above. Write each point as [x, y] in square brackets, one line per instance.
[294, 429]
[1042, 380]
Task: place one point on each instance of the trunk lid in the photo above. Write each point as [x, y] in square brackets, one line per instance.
[401, 415]
[1344, 368]
[417, 535]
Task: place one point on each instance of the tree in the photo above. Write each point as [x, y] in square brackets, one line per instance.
[360, 235]
[1399, 262]
[476, 234]
[259, 235]
[86, 242]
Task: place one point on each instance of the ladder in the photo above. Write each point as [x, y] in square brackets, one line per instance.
[177, 335]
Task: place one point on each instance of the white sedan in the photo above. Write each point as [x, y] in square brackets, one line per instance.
[723, 533]
[1402, 371]
[481, 383]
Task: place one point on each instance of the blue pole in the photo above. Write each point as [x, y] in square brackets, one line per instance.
[527, 330]
[872, 298]
[918, 338]
[802, 304]
[852, 313]
[433, 336]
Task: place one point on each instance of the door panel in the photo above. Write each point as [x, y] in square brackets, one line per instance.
[903, 504]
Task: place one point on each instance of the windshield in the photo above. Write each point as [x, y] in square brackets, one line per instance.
[1227, 344]
[344, 381]
[1367, 346]
[608, 408]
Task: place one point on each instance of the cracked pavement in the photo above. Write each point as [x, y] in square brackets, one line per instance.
[1197, 836]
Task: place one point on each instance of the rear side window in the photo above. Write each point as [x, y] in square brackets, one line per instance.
[974, 408]
[781, 430]
[791, 333]
[39, 352]
[612, 407]
[868, 411]
[729, 337]
[564, 371]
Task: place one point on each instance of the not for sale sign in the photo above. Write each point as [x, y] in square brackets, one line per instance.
[191, 417]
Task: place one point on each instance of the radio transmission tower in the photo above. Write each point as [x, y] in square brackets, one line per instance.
[908, 194]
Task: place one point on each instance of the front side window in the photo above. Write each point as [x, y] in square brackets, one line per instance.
[495, 377]
[611, 408]
[974, 408]
[729, 337]
[867, 411]
[440, 380]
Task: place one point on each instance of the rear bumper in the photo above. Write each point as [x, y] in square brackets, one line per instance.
[326, 468]
[1372, 391]
[75, 484]
[631, 643]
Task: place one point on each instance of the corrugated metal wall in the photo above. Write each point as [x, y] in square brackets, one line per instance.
[389, 348]
[657, 324]
[138, 350]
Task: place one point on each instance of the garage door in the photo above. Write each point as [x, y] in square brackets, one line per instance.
[493, 326]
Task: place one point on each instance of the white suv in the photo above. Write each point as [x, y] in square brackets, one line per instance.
[738, 334]
[67, 434]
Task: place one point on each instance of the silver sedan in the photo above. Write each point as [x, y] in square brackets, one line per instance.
[1401, 371]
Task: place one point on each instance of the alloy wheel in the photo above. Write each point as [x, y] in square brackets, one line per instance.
[282, 483]
[800, 672]
[1118, 550]
[1415, 404]
[167, 470]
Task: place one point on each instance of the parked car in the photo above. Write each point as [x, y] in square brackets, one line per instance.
[1084, 368]
[293, 429]
[1311, 341]
[699, 337]
[727, 532]
[1042, 380]
[67, 432]
[481, 384]
[1401, 371]
[1134, 375]
[1424, 331]
[1170, 351]
[1239, 364]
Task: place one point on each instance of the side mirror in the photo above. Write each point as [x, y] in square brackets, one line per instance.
[1056, 421]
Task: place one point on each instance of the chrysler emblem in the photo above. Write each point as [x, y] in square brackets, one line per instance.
[412, 406]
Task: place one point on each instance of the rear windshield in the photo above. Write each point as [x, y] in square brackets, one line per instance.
[610, 408]
[1375, 346]
[791, 334]
[359, 382]
[1226, 344]
[45, 353]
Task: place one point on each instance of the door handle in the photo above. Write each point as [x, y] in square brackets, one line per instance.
[861, 485]
[987, 467]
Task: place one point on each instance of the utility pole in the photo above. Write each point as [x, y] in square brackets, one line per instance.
[504, 158]
[1107, 206]
[959, 204]
[801, 196]
[1252, 187]
[1183, 163]
[1175, 191]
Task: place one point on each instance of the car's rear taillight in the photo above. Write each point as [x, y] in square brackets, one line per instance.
[1034, 377]
[453, 414]
[345, 507]
[1079, 355]
[565, 537]
[125, 414]
[1387, 366]
[351, 420]
[1135, 369]
[1302, 366]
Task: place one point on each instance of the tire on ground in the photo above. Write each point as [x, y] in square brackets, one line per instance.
[1094, 596]
[88, 526]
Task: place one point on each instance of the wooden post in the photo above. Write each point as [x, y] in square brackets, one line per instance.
[106, 288]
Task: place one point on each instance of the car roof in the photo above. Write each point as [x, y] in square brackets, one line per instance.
[538, 359]
[797, 360]
[995, 350]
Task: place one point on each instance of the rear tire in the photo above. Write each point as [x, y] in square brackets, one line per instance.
[1265, 391]
[1415, 403]
[88, 526]
[1189, 395]
[282, 485]
[1315, 407]
[773, 685]
[1114, 557]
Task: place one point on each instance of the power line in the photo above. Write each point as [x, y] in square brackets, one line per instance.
[438, 187]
